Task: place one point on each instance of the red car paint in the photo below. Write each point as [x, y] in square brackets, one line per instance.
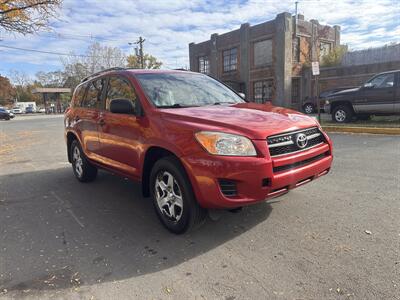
[120, 145]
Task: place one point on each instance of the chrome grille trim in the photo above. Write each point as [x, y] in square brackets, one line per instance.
[285, 143]
[299, 150]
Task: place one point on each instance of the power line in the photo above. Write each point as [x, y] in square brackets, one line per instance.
[49, 52]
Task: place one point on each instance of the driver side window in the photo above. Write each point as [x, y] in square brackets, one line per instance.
[383, 81]
[119, 88]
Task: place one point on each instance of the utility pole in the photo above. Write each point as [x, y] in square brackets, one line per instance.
[141, 55]
[140, 42]
[295, 20]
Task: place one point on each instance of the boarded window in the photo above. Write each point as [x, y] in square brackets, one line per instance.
[324, 49]
[295, 90]
[296, 50]
[263, 90]
[263, 53]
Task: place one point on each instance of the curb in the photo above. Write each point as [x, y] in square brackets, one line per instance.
[371, 130]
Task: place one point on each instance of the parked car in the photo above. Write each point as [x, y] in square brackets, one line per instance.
[5, 115]
[192, 142]
[17, 110]
[42, 110]
[378, 96]
[29, 110]
[310, 104]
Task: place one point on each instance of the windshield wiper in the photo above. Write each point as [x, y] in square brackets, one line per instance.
[176, 105]
[220, 103]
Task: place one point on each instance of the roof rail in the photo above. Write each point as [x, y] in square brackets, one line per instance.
[102, 71]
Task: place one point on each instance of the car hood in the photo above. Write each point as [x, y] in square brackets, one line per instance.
[345, 92]
[256, 121]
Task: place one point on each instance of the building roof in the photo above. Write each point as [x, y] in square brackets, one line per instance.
[51, 90]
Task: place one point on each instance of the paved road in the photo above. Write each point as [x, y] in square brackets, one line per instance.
[63, 239]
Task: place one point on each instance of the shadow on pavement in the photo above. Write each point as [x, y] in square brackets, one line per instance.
[58, 233]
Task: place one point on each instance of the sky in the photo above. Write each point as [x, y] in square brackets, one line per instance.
[170, 25]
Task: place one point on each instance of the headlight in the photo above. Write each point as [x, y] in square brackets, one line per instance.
[220, 143]
[326, 102]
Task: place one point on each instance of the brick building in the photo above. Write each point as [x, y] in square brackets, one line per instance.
[266, 61]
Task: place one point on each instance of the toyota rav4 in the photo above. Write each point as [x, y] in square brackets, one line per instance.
[193, 142]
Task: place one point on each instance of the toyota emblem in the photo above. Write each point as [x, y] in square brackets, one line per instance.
[301, 140]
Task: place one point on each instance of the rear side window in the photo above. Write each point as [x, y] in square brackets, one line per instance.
[78, 96]
[93, 94]
[119, 88]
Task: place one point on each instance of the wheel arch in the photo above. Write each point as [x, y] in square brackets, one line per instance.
[70, 138]
[341, 102]
[153, 154]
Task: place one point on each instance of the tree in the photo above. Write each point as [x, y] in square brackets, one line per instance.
[150, 62]
[334, 57]
[50, 79]
[95, 59]
[27, 16]
[7, 91]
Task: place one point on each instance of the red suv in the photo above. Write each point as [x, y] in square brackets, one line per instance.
[192, 142]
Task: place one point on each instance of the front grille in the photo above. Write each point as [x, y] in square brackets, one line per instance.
[299, 163]
[287, 143]
[228, 187]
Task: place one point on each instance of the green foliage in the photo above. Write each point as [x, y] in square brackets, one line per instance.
[7, 91]
[334, 57]
[150, 62]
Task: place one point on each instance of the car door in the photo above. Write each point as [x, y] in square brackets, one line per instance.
[121, 134]
[377, 95]
[87, 118]
[397, 95]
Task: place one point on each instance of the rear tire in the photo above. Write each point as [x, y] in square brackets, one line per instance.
[173, 197]
[84, 171]
[342, 114]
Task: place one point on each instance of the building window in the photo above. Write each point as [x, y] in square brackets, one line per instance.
[263, 53]
[296, 50]
[295, 90]
[230, 60]
[204, 65]
[324, 49]
[263, 91]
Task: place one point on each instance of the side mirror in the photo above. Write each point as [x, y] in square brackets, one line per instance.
[122, 106]
[242, 95]
[368, 85]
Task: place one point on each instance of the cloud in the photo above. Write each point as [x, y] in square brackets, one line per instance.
[169, 26]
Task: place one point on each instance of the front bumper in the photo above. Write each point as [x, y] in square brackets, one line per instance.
[256, 178]
[327, 108]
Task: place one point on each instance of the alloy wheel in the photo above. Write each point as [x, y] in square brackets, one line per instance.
[169, 196]
[77, 160]
[340, 115]
[308, 109]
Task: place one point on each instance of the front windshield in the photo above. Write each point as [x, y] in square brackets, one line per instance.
[185, 90]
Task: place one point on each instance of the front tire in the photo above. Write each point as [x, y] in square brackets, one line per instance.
[173, 197]
[84, 171]
[342, 114]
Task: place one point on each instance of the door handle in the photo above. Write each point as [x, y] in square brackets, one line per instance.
[102, 122]
[76, 119]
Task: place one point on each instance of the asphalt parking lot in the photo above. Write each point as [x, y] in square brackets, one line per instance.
[334, 238]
